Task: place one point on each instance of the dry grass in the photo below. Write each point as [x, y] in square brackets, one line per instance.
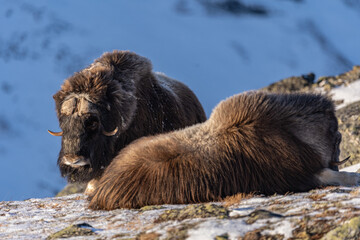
[355, 192]
[234, 199]
[148, 236]
[317, 196]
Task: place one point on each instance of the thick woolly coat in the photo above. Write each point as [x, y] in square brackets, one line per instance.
[119, 90]
[252, 142]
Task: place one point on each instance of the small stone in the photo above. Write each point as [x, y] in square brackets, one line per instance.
[261, 214]
[82, 229]
[222, 237]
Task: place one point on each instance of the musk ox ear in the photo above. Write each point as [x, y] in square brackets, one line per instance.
[126, 66]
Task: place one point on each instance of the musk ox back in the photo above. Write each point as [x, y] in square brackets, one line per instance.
[114, 101]
[252, 142]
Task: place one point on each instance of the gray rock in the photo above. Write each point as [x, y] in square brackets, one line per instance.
[349, 126]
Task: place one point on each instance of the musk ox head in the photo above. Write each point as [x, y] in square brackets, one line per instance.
[95, 106]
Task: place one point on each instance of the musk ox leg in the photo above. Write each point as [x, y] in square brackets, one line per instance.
[328, 177]
[91, 186]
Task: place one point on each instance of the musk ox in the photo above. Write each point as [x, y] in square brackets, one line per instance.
[114, 101]
[252, 142]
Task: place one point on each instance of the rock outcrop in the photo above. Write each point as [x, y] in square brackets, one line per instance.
[349, 126]
[331, 213]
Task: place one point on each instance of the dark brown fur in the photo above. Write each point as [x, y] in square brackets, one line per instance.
[118, 90]
[253, 142]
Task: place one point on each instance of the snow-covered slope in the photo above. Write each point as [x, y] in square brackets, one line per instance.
[215, 52]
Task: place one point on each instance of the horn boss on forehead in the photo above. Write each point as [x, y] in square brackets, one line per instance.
[79, 104]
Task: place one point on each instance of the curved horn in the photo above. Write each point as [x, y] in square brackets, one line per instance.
[112, 133]
[340, 162]
[58, 134]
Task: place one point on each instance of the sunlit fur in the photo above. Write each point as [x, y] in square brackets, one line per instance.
[118, 90]
[252, 142]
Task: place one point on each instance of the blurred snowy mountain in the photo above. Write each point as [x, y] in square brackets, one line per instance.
[217, 47]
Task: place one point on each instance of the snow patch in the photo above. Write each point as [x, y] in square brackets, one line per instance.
[284, 228]
[213, 228]
[348, 93]
[352, 168]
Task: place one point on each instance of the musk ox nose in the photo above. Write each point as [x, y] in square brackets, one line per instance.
[75, 161]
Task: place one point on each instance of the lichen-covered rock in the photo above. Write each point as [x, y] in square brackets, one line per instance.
[151, 207]
[261, 214]
[194, 211]
[222, 237]
[347, 231]
[307, 83]
[292, 84]
[349, 126]
[309, 215]
[82, 229]
[72, 188]
[345, 78]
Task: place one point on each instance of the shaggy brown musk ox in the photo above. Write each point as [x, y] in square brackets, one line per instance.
[252, 142]
[114, 101]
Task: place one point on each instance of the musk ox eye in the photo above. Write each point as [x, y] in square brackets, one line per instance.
[92, 123]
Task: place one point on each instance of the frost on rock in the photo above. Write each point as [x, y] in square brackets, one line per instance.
[328, 212]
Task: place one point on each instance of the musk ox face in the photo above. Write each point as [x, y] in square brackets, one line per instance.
[93, 110]
[86, 147]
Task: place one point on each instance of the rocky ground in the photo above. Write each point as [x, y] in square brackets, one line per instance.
[331, 213]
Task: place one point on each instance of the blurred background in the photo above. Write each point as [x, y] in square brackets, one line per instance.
[217, 47]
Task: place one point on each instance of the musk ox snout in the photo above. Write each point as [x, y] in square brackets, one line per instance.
[75, 161]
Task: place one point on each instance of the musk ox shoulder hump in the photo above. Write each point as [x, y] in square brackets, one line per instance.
[126, 64]
[256, 106]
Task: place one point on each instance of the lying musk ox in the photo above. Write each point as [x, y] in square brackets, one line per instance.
[114, 101]
[252, 142]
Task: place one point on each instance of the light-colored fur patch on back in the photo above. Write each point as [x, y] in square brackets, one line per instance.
[77, 103]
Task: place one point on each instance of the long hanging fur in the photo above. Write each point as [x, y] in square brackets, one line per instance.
[252, 142]
[120, 92]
